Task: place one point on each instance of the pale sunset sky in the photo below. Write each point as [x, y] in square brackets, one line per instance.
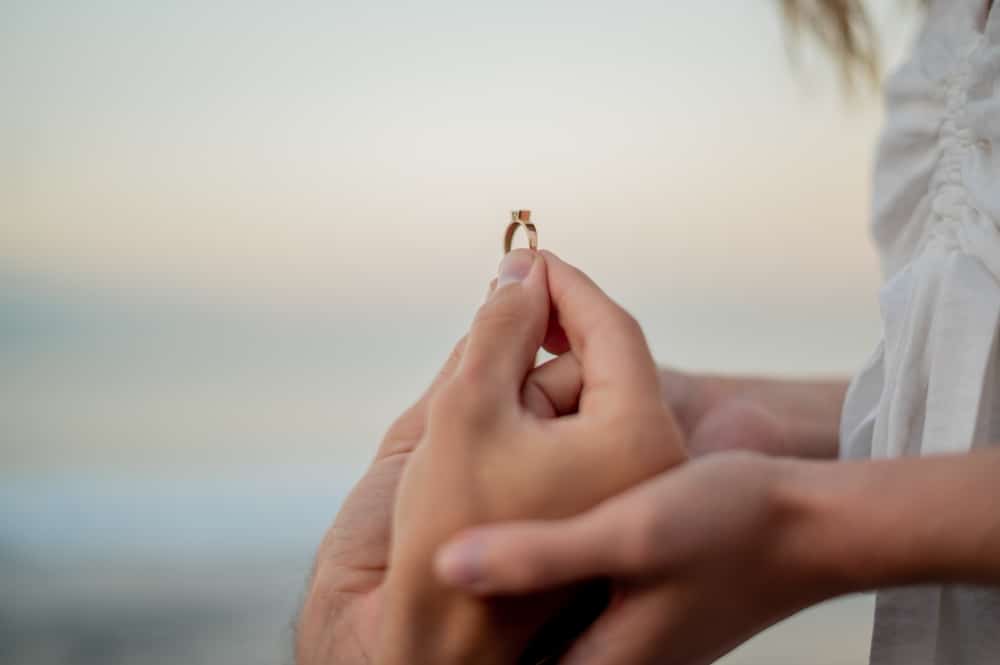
[238, 238]
[193, 193]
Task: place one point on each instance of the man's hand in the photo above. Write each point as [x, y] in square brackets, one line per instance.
[340, 618]
[485, 457]
[345, 617]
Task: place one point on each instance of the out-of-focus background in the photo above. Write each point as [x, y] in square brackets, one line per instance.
[237, 238]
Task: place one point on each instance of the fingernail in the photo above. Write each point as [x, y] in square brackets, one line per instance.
[461, 563]
[515, 267]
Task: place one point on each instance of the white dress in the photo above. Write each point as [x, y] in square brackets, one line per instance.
[933, 384]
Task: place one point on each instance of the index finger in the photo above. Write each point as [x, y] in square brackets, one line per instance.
[614, 356]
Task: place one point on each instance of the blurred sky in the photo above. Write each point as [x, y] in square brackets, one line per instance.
[237, 239]
[248, 232]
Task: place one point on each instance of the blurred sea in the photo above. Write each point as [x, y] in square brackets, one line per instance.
[106, 570]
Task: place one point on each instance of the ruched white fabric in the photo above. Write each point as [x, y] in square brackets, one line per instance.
[933, 383]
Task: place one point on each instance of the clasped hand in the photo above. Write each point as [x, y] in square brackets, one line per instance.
[575, 449]
[494, 438]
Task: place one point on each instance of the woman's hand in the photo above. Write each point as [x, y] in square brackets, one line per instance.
[701, 558]
[485, 457]
[781, 417]
[707, 555]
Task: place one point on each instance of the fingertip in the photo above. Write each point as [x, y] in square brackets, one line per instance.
[509, 328]
[538, 268]
[459, 563]
[515, 266]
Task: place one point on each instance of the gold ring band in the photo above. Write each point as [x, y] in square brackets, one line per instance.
[520, 218]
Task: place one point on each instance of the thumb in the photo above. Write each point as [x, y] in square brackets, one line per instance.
[509, 328]
[524, 557]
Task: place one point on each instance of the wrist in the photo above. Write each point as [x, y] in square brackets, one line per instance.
[927, 520]
[824, 540]
[861, 526]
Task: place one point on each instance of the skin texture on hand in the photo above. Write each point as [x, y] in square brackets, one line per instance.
[705, 556]
[702, 558]
[344, 618]
[341, 613]
[484, 458]
[780, 417]
[340, 618]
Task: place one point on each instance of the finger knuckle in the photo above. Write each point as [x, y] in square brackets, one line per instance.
[454, 402]
[475, 371]
[650, 435]
[633, 421]
[618, 324]
[637, 544]
[502, 312]
[466, 401]
[478, 378]
[628, 322]
[651, 421]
